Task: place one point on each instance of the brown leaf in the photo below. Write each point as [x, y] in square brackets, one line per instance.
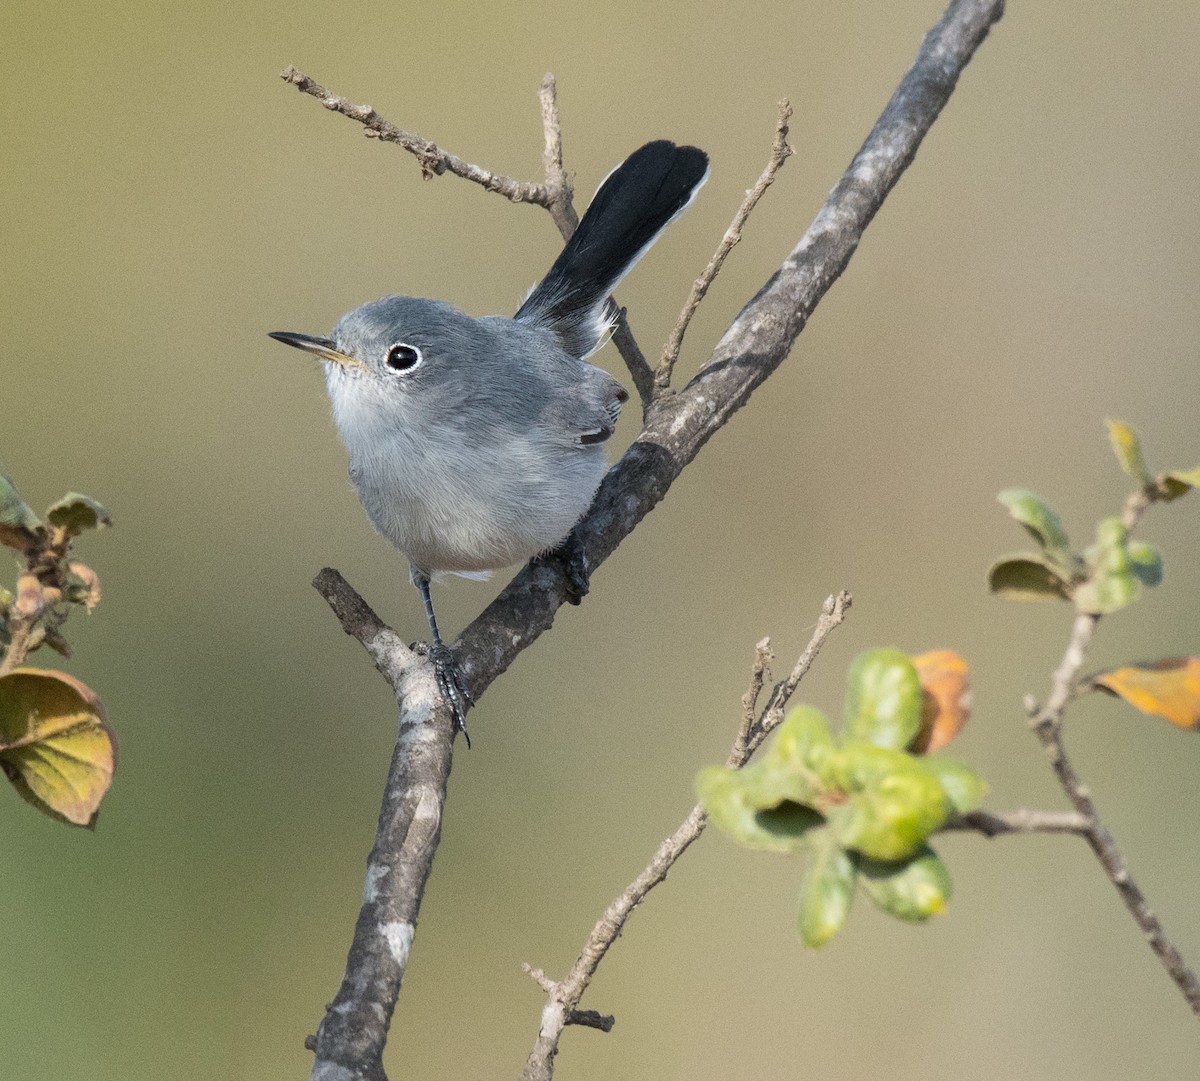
[945, 699]
[1168, 689]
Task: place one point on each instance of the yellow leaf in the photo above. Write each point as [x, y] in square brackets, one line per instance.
[945, 699]
[1128, 450]
[55, 745]
[1168, 689]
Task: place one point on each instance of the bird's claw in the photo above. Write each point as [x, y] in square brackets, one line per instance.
[452, 684]
[570, 556]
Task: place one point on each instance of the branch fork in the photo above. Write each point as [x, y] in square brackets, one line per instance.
[349, 1044]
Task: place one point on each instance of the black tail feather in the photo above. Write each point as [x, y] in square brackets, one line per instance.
[632, 206]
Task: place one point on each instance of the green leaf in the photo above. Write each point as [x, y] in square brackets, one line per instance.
[883, 700]
[964, 788]
[755, 807]
[1036, 516]
[801, 743]
[892, 801]
[55, 746]
[912, 889]
[1145, 563]
[1128, 449]
[1112, 584]
[18, 523]
[1027, 577]
[828, 891]
[1178, 482]
[75, 513]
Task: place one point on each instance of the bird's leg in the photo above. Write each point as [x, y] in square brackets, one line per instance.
[570, 556]
[445, 666]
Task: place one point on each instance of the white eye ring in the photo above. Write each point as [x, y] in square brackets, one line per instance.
[402, 358]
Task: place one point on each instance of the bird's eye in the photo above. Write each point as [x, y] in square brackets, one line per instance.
[403, 358]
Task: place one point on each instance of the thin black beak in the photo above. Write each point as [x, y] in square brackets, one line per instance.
[324, 348]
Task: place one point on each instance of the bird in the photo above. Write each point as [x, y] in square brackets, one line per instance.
[478, 443]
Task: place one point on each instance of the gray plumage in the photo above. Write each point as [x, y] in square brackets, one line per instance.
[484, 453]
[478, 443]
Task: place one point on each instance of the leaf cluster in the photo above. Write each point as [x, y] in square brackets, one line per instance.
[1108, 575]
[55, 744]
[862, 805]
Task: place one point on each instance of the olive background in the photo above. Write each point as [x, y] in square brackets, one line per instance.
[167, 200]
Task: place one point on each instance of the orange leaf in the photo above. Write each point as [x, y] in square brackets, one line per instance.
[945, 699]
[1168, 689]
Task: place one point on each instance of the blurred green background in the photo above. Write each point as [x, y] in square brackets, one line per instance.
[168, 200]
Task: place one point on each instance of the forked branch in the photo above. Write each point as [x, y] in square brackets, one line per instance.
[350, 1042]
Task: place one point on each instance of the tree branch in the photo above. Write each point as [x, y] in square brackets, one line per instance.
[349, 1043]
[561, 1009]
[759, 339]
[351, 1038]
[997, 824]
[1047, 726]
[1046, 723]
[434, 161]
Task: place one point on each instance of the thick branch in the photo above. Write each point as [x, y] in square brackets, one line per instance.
[349, 1043]
[760, 338]
[561, 1009]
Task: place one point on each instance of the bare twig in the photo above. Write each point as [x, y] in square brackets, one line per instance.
[780, 152]
[434, 161]
[760, 672]
[996, 824]
[1047, 725]
[20, 642]
[635, 361]
[561, 207]
[563, 995]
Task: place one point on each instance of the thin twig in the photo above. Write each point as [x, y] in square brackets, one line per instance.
[20, 641]
[760, 672]
[635, 361]
[1046, 723]
[563, 995]
[780, 152]
[434, 161]
[1002, 823]
[561, 206]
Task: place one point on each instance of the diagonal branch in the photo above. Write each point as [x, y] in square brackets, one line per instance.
[350, 1041]
[756, 344]
[562, 1007]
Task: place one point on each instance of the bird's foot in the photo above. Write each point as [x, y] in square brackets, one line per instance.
[570, 556]
[452, 684]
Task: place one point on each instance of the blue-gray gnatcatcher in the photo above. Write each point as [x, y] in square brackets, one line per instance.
[477, 443]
